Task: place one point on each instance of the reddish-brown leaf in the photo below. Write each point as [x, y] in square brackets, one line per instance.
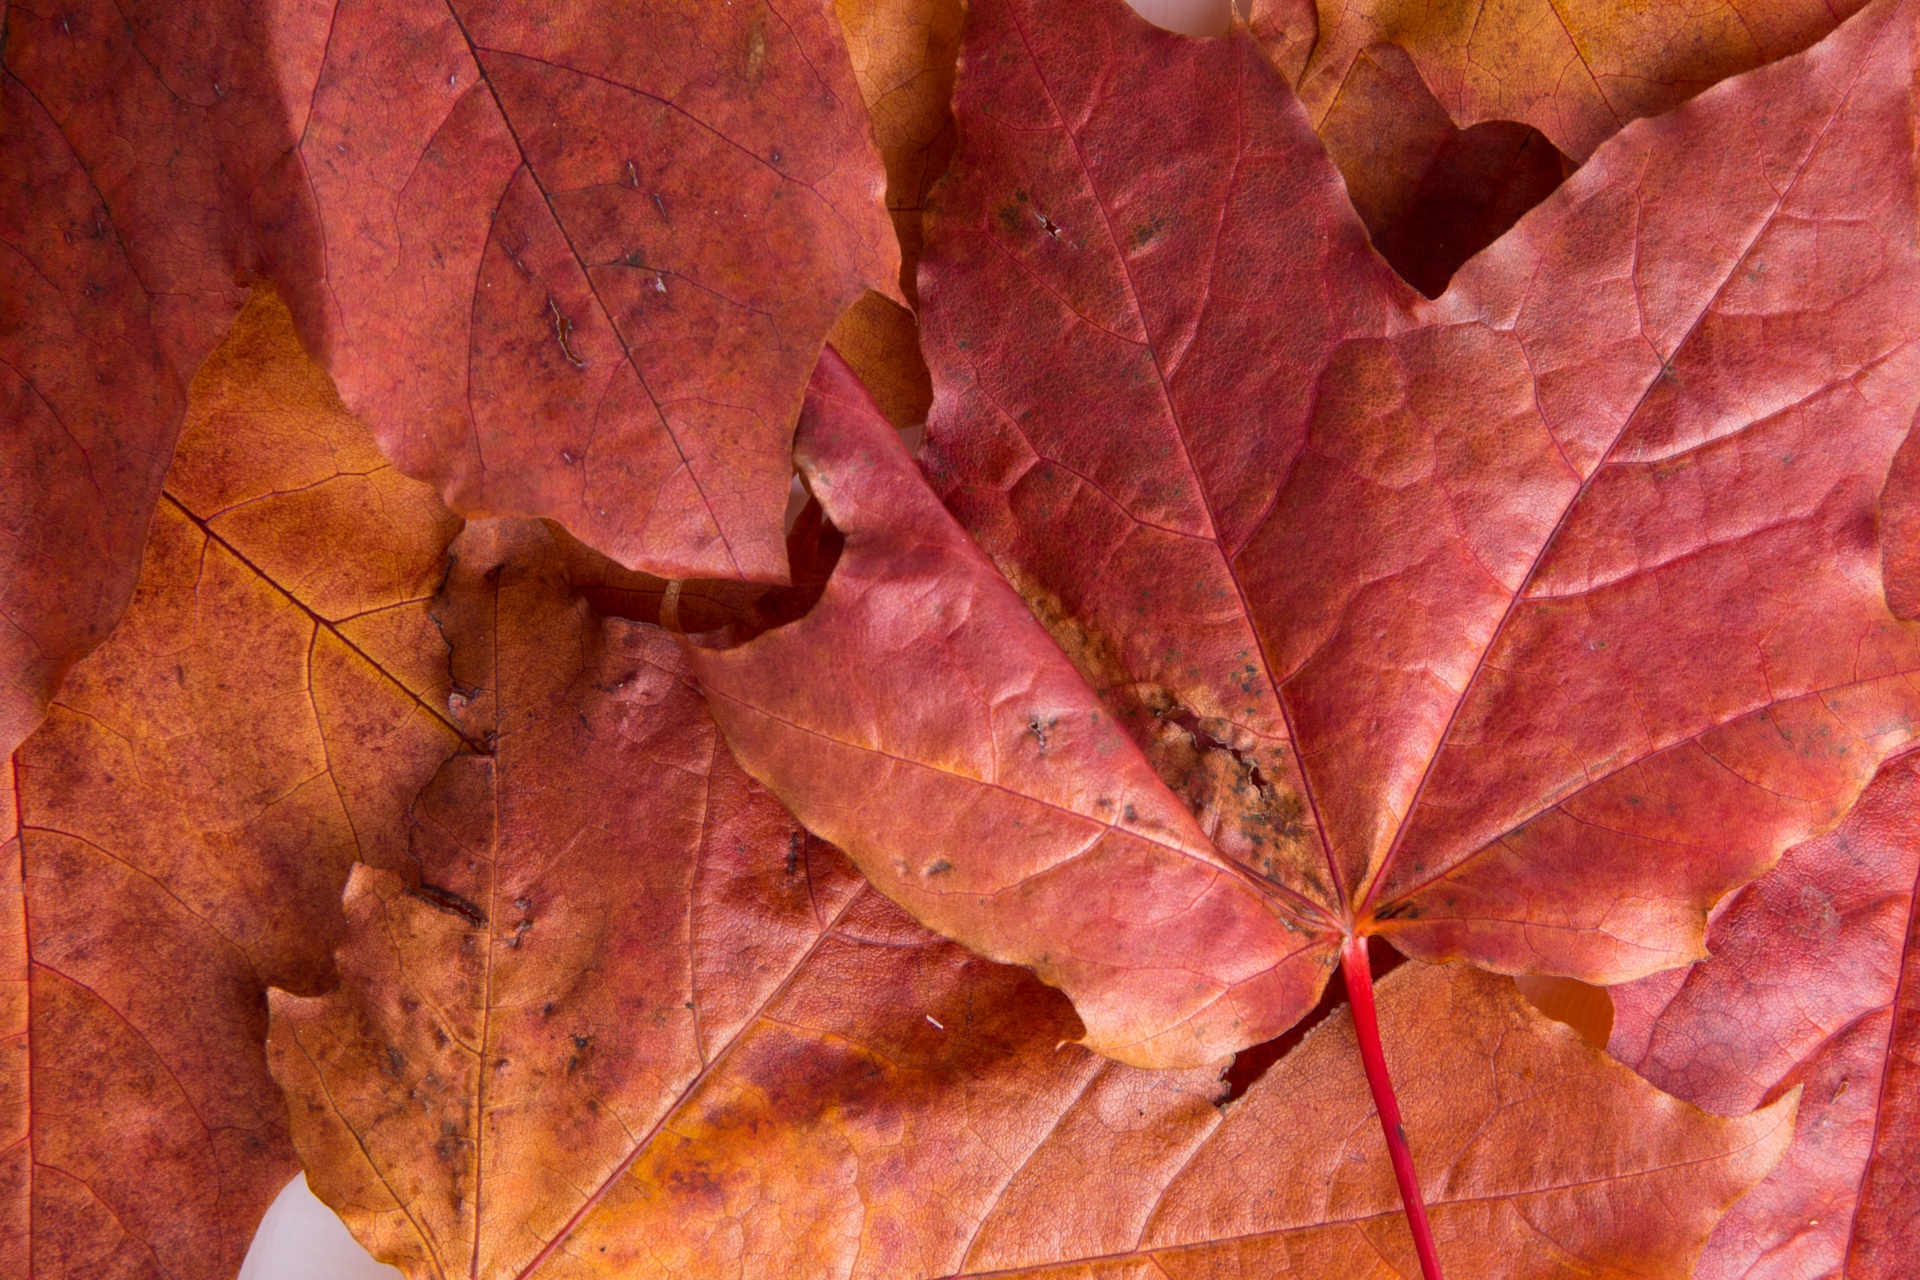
[607, 900]
[91, 406]
[188, 814]
[1519, 625]
[897, 1108]
[633, 1022]
[135, 141]
[1813, 984]
[1576, 72]
[1431, 195]
[575, 263]
[578, 262]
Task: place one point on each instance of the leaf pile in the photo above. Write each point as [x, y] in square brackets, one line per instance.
[1443, 477]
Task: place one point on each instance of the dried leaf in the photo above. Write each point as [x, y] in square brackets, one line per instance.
[16, 1044]
[1516, 625]
[1018, 817]
[1900, 529]
[584, 269]
[575, 263]
[881, 340]
[635, 1022]
[1565, 618]
[896, 1107]
[135, 141]
[604, 902]
[1814, 984]
[188, 814]
[1431, 195]
[91, 406]
[1576, 72]
[903, 59]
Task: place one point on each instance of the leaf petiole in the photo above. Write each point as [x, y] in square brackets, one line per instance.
[1366, 1025]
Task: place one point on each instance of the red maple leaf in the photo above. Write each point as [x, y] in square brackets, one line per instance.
[1516, 626]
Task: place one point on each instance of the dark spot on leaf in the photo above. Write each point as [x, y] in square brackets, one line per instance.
[448, 900]
[563, 329]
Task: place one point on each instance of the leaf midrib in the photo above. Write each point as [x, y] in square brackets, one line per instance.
[1360, 909]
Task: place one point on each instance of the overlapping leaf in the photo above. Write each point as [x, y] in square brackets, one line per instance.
[1900, 529]
[144, 171]
[188, 815]
[635, 1022]
[1519, 625]
[903, 58]
[1577, 72]
[575, 263]
[632, 234]
[16, 1044]
[608, 900]
[91, 407]
[968, 1148]
[976, 779]
[1516, 625]
[1431, 195]
[1813, 984]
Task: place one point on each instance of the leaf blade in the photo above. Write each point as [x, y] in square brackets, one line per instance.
[1429, 482]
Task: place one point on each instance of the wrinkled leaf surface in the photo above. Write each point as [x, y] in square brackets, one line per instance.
[1813, 984]
[1519, 625]
[634, 1022]
[188, 814]
[574, 263]
[1576, 72]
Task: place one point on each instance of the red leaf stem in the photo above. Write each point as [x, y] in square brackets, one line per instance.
[1359, 979]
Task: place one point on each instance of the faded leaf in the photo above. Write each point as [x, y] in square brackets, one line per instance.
[634, 1022]
[903, 59]
[575, 262]
[1431, 195]
[894, 1107]
[881, 340]
[579, 261]
[606, 901]
[1576, 72]
[1813, 984]
[1517, 626]
[189, 811]
[1287, 30]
